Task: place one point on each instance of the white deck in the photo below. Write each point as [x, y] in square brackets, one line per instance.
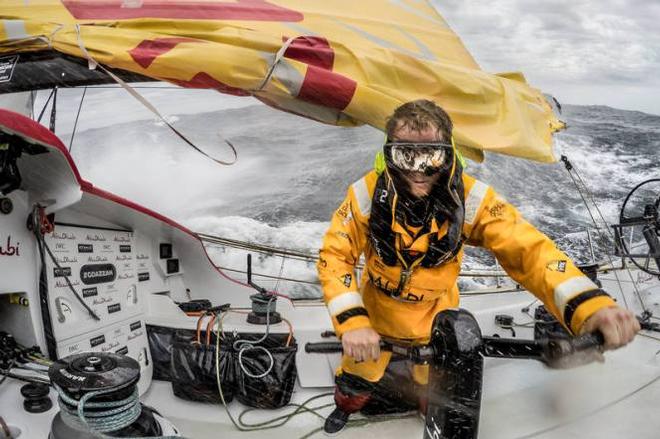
[521, 399]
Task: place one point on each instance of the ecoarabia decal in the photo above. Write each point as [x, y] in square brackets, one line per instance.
[97, 273]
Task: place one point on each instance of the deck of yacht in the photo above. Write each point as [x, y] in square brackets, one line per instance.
[521, 398]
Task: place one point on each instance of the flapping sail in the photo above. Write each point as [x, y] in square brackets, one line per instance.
[340, 62]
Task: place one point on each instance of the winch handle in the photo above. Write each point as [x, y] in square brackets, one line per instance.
[323, 347]
[588, 341]
[332, 347]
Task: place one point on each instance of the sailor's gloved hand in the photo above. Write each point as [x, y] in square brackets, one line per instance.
[361, 344]
[617, 325]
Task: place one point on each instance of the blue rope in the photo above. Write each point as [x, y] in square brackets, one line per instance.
[119, 414]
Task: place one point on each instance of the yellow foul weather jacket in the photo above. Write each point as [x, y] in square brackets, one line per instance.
[527, 255]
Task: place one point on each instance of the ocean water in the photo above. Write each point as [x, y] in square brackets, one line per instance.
[292, 173]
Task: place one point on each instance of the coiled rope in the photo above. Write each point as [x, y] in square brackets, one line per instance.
[100, 417]
[299, 409]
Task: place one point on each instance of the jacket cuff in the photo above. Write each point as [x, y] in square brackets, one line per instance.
[357, 320]
[348, 312]
[583, 306]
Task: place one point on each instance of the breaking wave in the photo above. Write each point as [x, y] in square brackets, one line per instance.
[292, 173]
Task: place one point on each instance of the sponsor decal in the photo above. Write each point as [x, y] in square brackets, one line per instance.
[63, 284]
[97, 273]
[411, 297]
[343, 235]
[95, 237]
[143, 277]
[497, 210]
[60, 247]
[122, 239]
[134, 335]
[61, 271]
[347, 280]
[644, 277]
[97, 259]
[66, 259]
[124, 248]
[136, 325]
[70, 376]
[114, 308]
[90, 292]
[558, 265]
[85, 248]
[124, 258]
[125, 276]
[73, 348]
[9, 249]
[107, 248]
[344, 210]
[122, 351]
[93, 342]
[101, 300]
[241, 10]
[63, 235]
[110, 346]
[7, 66]
[389, 289]
[142, 256]
[348, 219]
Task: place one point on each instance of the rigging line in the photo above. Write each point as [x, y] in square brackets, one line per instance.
[609, 232]
[5, 375]
[591, 413]
[279, 276]
[43, 110]
[93, 64]
[5, 428]
[569, 167]
[75, 124]
[268, 276]
[33, 97]
[53, 111]
[649, 336]
[42, 241]
[142, 87]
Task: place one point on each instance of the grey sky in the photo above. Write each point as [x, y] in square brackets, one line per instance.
[581, 51]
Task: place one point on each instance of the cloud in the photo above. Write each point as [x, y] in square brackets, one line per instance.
[562, 45]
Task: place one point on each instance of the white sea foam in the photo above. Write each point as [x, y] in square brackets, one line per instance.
[292, 173]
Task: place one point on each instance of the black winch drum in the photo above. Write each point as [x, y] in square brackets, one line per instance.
[80, 374]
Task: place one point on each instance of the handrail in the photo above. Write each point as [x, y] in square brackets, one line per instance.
[295, 254]
[309, 257]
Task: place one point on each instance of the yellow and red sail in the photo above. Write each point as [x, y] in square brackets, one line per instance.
[337, 61]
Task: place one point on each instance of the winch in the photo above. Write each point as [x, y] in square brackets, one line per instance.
[98, 396]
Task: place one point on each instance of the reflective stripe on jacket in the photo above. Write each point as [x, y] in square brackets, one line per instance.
[402, 305]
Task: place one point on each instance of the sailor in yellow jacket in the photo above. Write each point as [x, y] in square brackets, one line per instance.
[410, 220]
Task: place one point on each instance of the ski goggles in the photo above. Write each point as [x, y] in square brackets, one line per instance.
[428, 158]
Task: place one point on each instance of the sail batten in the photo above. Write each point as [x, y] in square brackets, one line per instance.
[346, 63]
